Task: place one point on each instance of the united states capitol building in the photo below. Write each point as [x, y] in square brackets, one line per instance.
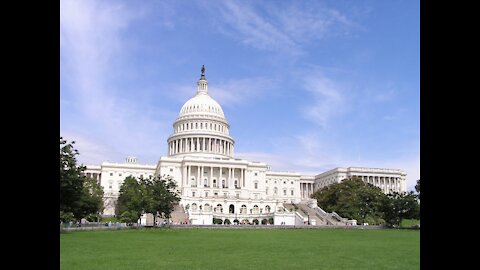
[214, 184]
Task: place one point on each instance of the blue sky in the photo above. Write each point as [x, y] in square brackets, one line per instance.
[306, 86]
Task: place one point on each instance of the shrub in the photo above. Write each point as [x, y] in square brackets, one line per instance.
[235, 221]
[217, 221]
[255, 221]
[270, 220]
[264, 221]
[227, 221]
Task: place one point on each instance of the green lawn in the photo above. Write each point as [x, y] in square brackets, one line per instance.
[409, 222]
[241, 249]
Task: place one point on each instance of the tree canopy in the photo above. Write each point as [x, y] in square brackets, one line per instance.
[80, 196]
[354, 199]
[153, 195]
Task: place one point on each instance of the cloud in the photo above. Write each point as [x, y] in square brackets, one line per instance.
[328, 96]
[279, 27]
[94, 57]
[239, 91]
[255, 30]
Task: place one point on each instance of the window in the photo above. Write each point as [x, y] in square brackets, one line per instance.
[284, 182]
[171, 169]
[120, 174]
[256, 185]
[267, 209]
[206, 194]
[111, 174]
[255, 174]
[193, 193]
[214, 182]
[291, 183]
[291, 192]
[284, 192]
[275, 190]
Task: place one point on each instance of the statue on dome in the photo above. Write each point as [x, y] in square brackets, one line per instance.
[203, 70]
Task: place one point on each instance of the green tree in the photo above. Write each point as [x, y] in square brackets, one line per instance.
[417, 188]
[71, 181]
[399, 206]
[352, 198]
[92, 199]
[79, 196]
[146, 195]
[163, 195]
[131, 202]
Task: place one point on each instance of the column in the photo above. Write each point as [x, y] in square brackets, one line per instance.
[241, 178]
[198, 176]
[188, 175]
[229, 180]
[203, 144]
[202, 169]
[210, 181]
[184, 176]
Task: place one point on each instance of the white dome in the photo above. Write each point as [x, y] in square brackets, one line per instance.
[201, 128]
[201, 104]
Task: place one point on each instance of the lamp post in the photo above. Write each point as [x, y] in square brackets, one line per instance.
[308, 216]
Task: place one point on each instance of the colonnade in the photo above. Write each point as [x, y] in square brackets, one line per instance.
[306, 189]
[200, 144]
[205, 176]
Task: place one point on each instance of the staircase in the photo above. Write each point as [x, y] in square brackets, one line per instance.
[178, 216]
[321, 217]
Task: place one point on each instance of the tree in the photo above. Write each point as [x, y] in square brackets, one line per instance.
[163, 195]
[92, 199]
[399, 206]
[131, 202]
[152, 195]
[71, 181]
[417, 188]
[79, 196]
[352, 198]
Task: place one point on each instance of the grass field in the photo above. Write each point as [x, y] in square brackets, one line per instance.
[241, 249]
[409, 222]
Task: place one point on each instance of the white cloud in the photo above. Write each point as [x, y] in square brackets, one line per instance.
[256, 31]
[92, 38]
[329, 100]
[238, 91]
[279, 27]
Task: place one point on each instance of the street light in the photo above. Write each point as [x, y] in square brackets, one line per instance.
[308, 216]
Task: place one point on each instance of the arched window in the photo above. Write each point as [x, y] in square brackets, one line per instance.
[255, 209]
[275, 190]
[243, 209]
[194, 207]
[219, 208]
[223, 183]
[236, 183]
[214, 182]
[267, 209]
[207, 208]
[205, 182]
[193, 183]
[255, 184]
